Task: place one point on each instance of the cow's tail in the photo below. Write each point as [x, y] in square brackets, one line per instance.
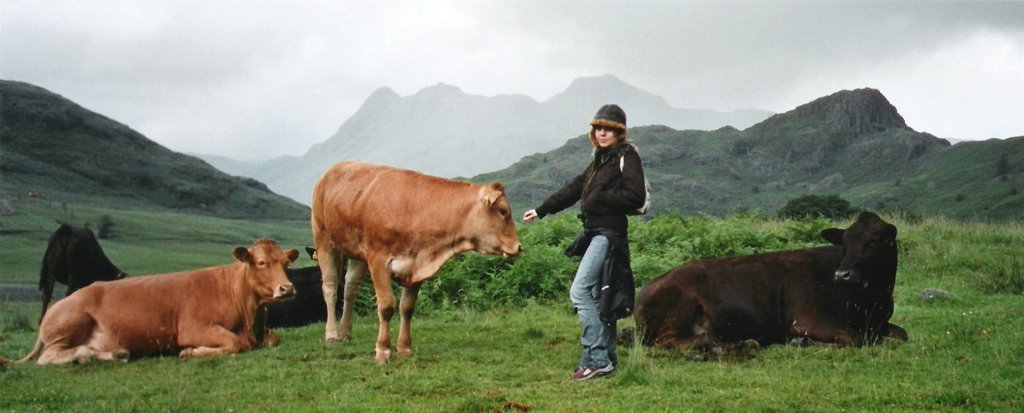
[35, 353]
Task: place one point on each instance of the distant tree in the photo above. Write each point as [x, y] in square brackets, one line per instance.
[105, 227]
[829, 206]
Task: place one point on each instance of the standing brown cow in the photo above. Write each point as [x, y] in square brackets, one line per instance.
[402, 225]
[841, 294]
[207, 312]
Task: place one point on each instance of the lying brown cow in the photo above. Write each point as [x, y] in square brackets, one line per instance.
[840, 294]
[207, 312]
[400, 225]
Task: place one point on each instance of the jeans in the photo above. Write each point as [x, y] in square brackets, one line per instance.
[598, 338]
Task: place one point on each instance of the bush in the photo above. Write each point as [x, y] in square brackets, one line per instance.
[827, 206]
[105, 227]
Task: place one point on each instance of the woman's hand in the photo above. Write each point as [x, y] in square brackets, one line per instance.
[529, 216]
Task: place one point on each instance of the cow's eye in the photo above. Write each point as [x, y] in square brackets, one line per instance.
[503, 212]
[261, 263]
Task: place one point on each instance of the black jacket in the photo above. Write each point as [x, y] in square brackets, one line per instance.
[606, 194]
[617, 289]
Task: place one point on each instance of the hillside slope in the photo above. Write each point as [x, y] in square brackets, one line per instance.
[58, 150]
[852, 143]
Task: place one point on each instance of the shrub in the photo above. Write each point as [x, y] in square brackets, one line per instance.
[828, 206]
[105, 227]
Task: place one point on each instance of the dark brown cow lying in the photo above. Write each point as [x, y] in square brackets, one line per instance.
[840, 294]
[73, 257]
[400, 225]
[207, 312]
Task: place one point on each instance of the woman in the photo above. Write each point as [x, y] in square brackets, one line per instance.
[610, 188]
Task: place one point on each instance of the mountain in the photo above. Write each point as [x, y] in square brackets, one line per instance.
[58, 150]
[852, 143]
[444, 131]
[585, 95]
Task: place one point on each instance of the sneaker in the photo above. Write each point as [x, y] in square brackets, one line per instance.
[591, 372]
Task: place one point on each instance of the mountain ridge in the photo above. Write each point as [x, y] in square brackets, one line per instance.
[852, 143]
[53, 147]
[441, 130]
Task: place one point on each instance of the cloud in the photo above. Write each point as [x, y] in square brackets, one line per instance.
[253, 79]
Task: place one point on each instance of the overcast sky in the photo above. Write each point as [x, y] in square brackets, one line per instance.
[256, 79]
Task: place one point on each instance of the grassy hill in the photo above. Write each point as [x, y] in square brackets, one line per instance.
[62, 152]
[853, 144]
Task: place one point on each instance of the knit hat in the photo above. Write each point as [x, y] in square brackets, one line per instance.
[611, 116]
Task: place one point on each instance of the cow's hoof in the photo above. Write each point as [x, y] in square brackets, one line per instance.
[331, 341]
[120, 355]
[85, 358]
[404, 353]
[382, 357]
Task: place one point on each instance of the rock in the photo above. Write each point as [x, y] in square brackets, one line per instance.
[934, 294]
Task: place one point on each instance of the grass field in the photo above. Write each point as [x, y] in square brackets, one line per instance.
[964, 354]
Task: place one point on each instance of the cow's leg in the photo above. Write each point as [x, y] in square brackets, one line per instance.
[329, 261]
[696, 333]
[47, 287]
[821, 332]
[66, 336]
[896, 333]
[406, 308]
[58, 354]
[213, 340]
[385, 307]
[104, 346]
[353, 278]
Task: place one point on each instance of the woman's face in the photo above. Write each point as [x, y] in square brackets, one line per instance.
[605, 136]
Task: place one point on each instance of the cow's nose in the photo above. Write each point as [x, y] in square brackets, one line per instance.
[514, 251]
[842, 275]
[284, 291]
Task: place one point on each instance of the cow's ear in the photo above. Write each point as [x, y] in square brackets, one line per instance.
[833, 235]
[292, 254]
[488, 196]
[890, 232]
[242, 254]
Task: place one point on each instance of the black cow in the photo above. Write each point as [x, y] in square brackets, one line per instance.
[308, 305]
[73, 257]
[840, 294]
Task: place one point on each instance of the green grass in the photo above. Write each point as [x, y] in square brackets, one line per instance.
[963, 354]
[145, 241]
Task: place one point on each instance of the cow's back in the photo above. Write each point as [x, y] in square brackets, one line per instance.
[358, 204]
